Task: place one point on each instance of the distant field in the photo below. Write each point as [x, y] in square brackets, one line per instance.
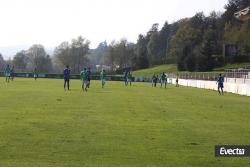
[233, 66]
[172, 68]
[156, 70]
[41, 125]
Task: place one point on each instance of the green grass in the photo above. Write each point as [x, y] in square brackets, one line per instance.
[156, 70]
[172, 68]
[41, 125]
[233, 66]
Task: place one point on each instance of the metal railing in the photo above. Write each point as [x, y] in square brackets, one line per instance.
[230, 76]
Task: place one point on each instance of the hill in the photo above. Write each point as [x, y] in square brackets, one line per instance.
[172, 68]
[156, 70]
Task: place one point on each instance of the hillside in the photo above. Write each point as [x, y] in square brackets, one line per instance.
[156, 70]
[233, 66]
[170, 68]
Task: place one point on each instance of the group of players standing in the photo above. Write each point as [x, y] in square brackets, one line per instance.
[10, 73]
[162, 79]
[85, 78]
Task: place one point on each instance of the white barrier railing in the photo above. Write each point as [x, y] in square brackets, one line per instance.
[237, 88]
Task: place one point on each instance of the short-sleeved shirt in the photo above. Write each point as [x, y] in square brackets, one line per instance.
[154, 79]
[163, 77]
[7, 70]
[88, 74]
[130, 76]
[66, 73]
[84, 75]
[102, 75]
[220, 80]
[35, 72]
[125, 75]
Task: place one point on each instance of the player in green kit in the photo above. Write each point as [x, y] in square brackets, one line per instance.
[163, 79]
[7, 72]
[84, 78]
[130, 78]
[103, 77]
[35, 73]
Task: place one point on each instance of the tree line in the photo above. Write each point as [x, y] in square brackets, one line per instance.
[194, 44]
[72, 53]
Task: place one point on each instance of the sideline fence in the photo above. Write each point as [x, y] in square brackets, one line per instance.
[235, 76]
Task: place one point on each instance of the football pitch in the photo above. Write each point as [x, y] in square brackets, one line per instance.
[41, 125]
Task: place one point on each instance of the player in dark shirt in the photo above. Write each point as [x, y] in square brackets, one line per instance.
[66, 76]
[88, 77]
[12, 73]
[154, 80]
[220, 82]
[126, 78]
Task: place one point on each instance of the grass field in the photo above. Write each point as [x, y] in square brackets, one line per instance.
[41, 125]
[156, 70]
[233, 66]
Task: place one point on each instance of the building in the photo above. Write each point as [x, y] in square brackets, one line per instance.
[244, 14]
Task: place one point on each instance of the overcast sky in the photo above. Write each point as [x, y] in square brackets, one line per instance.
[50, 22]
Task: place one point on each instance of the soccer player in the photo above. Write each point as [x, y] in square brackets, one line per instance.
[154, 80]
[164, 79]
[84, 78]
[88, 76]
[103, 77]
[126, 78]
[66, 76]
[7, 72]
[35, 73]
[12, 73]
[177, 81]
[220, 82]
[130, 78]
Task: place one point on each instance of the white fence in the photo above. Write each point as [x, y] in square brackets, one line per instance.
[232, 87]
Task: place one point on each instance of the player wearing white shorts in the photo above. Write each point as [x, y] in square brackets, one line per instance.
[164, 79]
[130, 78]
[7, 72]
[103, 78]
[84, 78]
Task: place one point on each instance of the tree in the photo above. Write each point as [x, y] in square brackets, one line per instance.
[38, 58]
[79, 50]
[110, 57]
[153, 48]
[20, 61]
[2, 63]
[97, 56]
[62, 56]
[74, 54]
[183, 43]
[141, 53]
[120, 54]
